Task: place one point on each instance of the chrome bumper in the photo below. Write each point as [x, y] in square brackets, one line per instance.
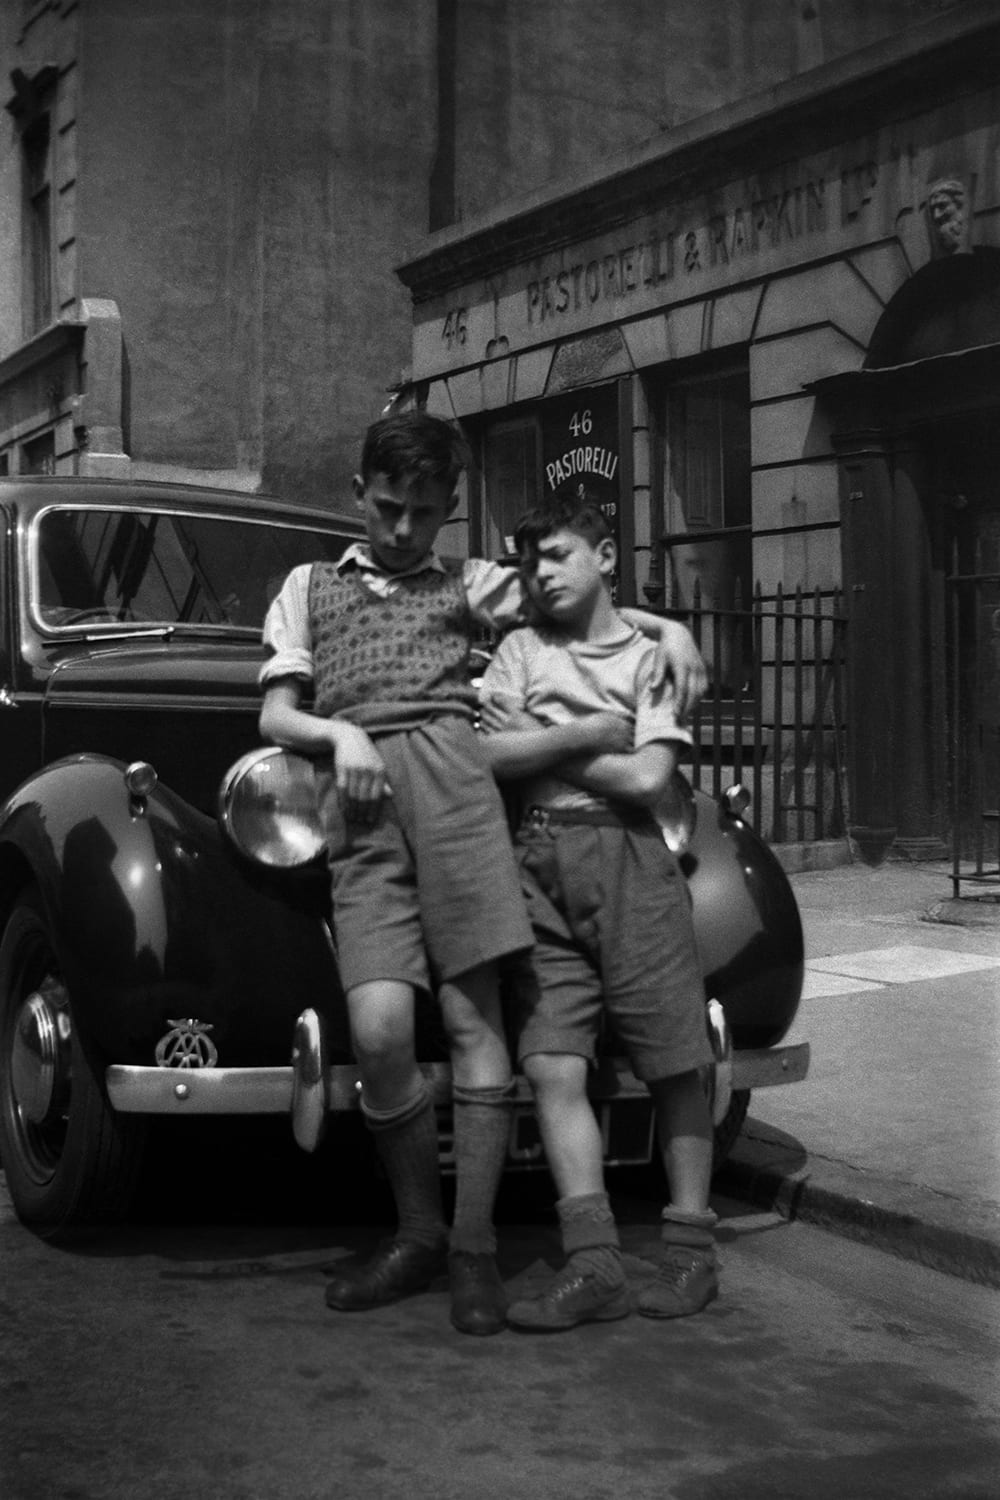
[247, 1091]
[308, 1089]
[766, 1067]
[268, 1091]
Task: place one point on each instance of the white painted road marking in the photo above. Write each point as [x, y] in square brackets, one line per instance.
[873, 969]
[817, 985]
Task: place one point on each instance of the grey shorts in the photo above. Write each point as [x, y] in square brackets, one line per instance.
[432, 889]
[614, 941]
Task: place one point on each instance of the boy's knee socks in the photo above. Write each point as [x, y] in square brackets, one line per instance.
[482, 1131]
[689, 1227]
[406, 1140]
[590, 1236]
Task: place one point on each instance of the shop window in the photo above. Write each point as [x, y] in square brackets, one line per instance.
[512, 466]
[36, 149]
[707, 549]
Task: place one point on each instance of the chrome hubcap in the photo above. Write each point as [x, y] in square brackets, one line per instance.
[40, 1057]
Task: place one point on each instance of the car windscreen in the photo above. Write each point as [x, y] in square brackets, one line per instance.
[102, 566]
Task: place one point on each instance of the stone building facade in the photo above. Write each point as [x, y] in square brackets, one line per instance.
[677, 249]
[202, 203]
[767, 340]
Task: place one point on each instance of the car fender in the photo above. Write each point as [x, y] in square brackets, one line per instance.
[747, 923]
[154, 918]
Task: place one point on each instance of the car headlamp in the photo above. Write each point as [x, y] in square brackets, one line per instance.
[676, 814]
[269, 809]
[736, 800]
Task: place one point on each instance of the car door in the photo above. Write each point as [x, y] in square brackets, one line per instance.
[20, 691]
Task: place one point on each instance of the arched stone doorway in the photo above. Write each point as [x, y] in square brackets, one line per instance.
[918, 436]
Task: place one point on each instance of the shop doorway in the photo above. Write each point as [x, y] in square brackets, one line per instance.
[917, 432]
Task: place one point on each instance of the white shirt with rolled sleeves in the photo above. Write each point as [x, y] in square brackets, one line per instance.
[557, 680]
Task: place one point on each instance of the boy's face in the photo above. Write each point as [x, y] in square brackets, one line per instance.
[402, 517]
[567, 573]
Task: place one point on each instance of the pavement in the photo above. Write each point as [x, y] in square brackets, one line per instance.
[894, 1137]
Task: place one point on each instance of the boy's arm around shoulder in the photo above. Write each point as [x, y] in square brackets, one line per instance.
[678, 659]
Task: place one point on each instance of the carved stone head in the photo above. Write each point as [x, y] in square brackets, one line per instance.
[947, 216]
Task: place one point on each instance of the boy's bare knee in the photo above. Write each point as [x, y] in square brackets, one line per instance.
[382, 1052]
[556, 1074]
[381, 1016]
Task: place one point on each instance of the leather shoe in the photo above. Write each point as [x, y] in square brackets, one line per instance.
[572, 1297]
[478, 1299]
[396, 1269]
[687, 1282]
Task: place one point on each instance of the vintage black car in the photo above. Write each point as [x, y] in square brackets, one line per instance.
[165, 947]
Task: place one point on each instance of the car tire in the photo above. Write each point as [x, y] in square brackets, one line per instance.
[70, 1159]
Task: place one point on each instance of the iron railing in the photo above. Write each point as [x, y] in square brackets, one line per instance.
[774, 715]
[974, 738]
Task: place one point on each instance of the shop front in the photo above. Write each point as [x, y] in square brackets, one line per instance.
[918, 429]
[715, 336]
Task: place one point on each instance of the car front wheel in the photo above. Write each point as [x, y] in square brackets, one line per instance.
[69, 1159]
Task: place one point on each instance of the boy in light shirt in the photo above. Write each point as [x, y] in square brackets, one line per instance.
[610, 913]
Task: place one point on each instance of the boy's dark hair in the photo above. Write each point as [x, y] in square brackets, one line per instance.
[414, 442]
[568, 508]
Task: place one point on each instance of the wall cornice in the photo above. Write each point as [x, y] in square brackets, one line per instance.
[52, 341]
[922, 68]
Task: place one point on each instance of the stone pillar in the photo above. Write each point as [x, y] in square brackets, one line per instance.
[100, 419]
[918, 647]
[869, 592]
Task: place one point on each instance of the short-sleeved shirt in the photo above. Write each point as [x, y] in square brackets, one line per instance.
[494, 594]
[558, 680]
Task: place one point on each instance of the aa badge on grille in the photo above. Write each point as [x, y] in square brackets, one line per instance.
[187, 1045]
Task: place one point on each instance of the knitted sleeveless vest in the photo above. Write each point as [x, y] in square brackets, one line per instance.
[372, 655]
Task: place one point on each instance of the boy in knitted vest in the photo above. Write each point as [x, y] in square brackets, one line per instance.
[425, 891]
[610, 912]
